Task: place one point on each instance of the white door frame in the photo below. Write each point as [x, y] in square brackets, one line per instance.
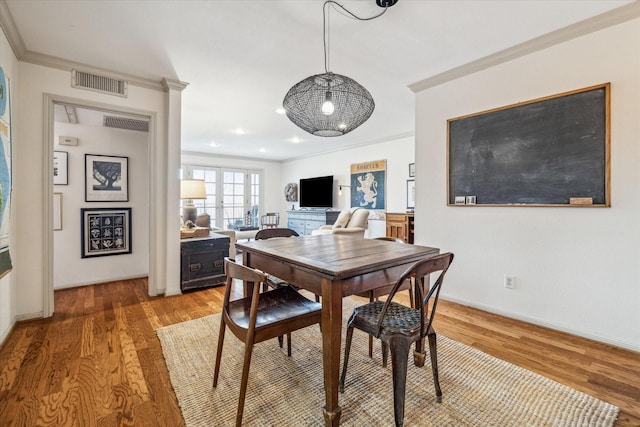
[50, 101]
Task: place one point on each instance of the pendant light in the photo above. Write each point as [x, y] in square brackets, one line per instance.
[330, 104]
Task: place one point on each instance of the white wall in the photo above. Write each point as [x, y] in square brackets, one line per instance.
[9, 65]
[69, 268]
[398, 153]
[30, 154]
[576, 269]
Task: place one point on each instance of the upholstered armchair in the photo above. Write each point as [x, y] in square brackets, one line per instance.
[350, 222]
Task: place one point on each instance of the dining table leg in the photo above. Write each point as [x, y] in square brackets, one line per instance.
[331, 342]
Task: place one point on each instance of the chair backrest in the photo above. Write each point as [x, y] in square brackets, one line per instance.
[358, 218]
[235, 271]
[270, 220]
[421, 271]
[270, 233]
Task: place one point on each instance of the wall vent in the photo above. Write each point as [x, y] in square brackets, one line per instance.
[126, 124]
[82, 80]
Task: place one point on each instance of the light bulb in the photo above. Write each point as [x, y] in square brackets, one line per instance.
[327, 107]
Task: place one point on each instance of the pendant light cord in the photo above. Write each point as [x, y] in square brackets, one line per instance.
[325, 28]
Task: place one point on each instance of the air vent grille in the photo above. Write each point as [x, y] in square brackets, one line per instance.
[82, 80]
[125, 123]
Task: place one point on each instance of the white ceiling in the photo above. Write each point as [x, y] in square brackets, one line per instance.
[240, 57]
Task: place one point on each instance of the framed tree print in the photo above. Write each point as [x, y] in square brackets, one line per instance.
[105, 231]
[106, 178]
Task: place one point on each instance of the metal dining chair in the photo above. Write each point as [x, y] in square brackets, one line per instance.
[259, 317]
[399, 326]
[376, 293]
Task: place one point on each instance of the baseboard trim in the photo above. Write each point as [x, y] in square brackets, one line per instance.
[115, 279]
[538, 322]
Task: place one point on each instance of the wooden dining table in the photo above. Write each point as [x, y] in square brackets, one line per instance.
[333, 266]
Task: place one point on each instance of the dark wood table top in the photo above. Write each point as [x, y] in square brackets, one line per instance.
[337, 256]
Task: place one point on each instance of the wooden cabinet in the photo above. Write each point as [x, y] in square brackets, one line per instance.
[400, 225]
[305, 221]
[202, 261]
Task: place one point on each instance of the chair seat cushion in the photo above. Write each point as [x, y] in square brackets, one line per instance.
[399, 319]
[278, 305]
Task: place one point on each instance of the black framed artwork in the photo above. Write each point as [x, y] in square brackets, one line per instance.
[60, 168]
[106, 178]
[105, 231]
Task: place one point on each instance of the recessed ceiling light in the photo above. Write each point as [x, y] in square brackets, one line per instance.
[280, 110]
[213, 144]
[295, 140]
[263, 150]
[240, 131]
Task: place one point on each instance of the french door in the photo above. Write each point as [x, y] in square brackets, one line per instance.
[233, 195]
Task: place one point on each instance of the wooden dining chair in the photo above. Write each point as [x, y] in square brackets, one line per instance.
[259, 317]
[376, 293]
[399, 326]
[275, 233]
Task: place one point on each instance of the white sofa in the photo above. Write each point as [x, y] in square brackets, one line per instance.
[352, 222]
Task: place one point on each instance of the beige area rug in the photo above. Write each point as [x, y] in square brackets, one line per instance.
[478, 389]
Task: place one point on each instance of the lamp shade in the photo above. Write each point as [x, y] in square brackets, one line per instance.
[351, 106]
[192, 189]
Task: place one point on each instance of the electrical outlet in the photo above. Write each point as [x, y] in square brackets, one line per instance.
[509, 281]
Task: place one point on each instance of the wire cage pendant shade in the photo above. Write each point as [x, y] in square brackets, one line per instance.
[331, 104]
[352, 104]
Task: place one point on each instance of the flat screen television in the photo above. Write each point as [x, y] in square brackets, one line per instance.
[316, 192]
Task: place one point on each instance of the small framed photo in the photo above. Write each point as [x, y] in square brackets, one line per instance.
[411, 194]
[412, 169]
[470, 200]
[460, 200]
[60, 168]
[105, 231]
[106, 178]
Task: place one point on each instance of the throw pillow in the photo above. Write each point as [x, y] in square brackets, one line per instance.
[343, 219]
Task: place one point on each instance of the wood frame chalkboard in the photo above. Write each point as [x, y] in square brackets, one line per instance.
[551, 151]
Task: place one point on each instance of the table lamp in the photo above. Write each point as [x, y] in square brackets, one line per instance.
[191, 189]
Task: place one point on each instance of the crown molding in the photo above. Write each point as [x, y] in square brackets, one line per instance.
[608, 19]
[16, 42]
[170, 84]
[8, 25]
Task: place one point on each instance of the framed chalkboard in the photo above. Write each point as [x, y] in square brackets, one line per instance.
[552, 151]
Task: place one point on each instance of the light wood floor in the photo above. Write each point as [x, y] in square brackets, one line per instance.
[98, 361]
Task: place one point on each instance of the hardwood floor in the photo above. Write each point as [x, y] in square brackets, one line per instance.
[98, 362]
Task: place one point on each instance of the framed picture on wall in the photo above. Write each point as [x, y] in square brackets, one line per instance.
[105, 231]
[412, 170]
[57, 211]
[106, 178]
[411, 194]
[60, 168]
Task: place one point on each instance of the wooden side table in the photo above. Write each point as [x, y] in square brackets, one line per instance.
[400, 225]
